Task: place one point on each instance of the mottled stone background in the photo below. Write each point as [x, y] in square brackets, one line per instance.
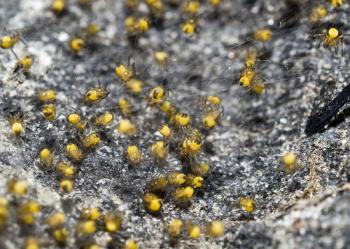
[305, 209]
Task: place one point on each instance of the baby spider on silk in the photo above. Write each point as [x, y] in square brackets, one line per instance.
[22, 67]
[96, 94]
[9, 41]
[333, 38]
[17, 124]
[250, 77]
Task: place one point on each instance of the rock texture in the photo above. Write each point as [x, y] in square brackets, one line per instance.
[304, 209]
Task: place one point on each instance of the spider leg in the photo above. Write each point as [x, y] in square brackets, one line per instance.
[342, 47]
[133, 66]
[129, 60]
[317, 35]
[14, 53]
[23, 41]
[319, 44]
[336, 49]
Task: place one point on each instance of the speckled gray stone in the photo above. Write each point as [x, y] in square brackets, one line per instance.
[304, 209]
